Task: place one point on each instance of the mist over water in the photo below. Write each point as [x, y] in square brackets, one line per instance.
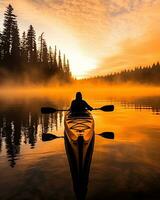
[101, 89]
[126, 167]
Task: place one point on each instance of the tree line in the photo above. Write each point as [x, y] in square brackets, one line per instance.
[142, 74]
[22, 55]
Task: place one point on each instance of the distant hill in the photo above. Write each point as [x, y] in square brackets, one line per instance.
[147, 74]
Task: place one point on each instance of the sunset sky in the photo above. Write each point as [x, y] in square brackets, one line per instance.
[98, 36]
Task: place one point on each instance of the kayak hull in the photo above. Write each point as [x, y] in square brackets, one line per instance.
[79, 142]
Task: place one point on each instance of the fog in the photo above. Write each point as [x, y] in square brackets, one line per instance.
[89, 90]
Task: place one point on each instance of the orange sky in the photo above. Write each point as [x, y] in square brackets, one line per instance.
[98, 36]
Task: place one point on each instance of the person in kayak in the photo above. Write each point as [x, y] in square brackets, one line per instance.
[79, 105]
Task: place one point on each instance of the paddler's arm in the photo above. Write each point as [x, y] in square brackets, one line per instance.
[87, 106]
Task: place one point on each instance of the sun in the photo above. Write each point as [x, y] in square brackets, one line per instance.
[80, 63]
[81, 66]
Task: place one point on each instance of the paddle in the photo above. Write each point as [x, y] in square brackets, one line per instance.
[47, 110]
[107, 135]
[107, 108]
[49, 136]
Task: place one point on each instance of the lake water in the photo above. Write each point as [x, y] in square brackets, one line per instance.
[126, 167]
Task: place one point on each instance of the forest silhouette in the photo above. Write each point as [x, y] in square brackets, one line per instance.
[24, 58]
[21, 57]
[147, 75]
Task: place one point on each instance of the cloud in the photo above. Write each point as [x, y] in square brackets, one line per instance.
[134, 37]
[133, 53]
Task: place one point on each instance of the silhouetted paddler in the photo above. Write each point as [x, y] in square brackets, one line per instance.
[79, 105]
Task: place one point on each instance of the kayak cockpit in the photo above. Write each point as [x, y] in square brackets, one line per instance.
[79, 124]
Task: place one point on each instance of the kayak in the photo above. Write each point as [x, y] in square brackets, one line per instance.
[79, 156]
[79, 127]
[79, 143]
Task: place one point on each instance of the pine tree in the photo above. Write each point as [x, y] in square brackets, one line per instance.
[50, 56]
[45, 53]
[60, 62]
[40, 48]
[64, 63]
[23, 49]
[68, 69]
[15, 47]
[31, 45]
[55, 65]
[9, 31]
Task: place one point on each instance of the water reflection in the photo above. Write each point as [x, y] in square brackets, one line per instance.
[145, 103]
[23, 123]
[79, 158]
[18, 126]
[134, 151]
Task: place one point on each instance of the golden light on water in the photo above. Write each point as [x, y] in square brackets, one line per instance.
[100, 91]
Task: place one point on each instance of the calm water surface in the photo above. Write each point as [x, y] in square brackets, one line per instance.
[126, 167]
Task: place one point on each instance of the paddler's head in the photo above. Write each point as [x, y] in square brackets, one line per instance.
[78, 96]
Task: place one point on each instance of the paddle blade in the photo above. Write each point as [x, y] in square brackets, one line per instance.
[107, 135]
[108, 108]
[48, 137]
[47, 110]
